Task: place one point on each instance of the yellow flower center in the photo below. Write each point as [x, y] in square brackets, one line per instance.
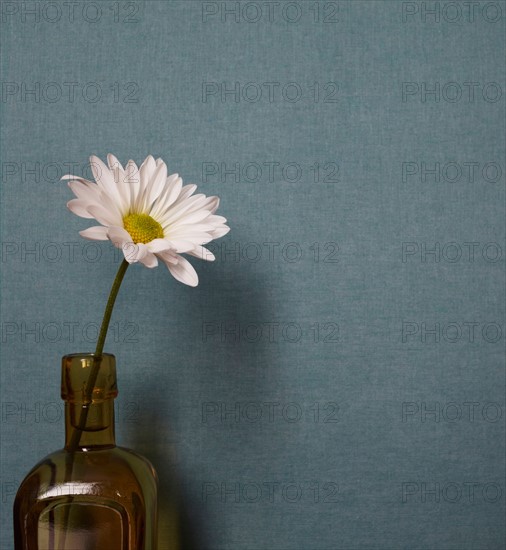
[142, 228]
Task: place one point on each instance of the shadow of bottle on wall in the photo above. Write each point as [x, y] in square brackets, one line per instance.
[180, 526]
[184, 519]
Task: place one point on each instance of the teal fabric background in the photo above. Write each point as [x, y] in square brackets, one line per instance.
[336, 380]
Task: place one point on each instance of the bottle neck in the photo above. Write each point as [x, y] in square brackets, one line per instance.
[98, 431]
[88, 389]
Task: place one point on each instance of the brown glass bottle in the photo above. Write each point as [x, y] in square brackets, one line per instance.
[99, 497]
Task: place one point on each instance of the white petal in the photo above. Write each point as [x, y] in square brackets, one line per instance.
[114, 163]
[132, 182]
[119, 176]
[220, 231]
[190, 218]
[95, 233]
[217, 219]
[102, 174]
[214, 204]
[202, 253]
[113, 207]
[172, 178]
[195, 201]
[184, 272]
[174, 186]
[106, 182]
[79, 208]
[211, 204]
[119, 236]
[89, 192]
[189, 205]
[193, 238]
[122, 239]
[168, 256]
[180, 245]
[147, 169]
[158, 245]
[149, 260]
[185, 234]
[78, 178]
[187, 191]
[104, 216]
[130, 252]
[135, 252]
[181, 230]
[157, 184]
[168, 196]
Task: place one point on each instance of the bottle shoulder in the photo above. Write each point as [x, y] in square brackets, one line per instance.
[97, 453]
[141, 460]
[113, 465]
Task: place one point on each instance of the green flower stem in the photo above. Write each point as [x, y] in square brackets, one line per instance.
[83, 417]
[109, 307]
[88, 392]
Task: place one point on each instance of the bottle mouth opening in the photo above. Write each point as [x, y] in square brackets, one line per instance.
[88, 354]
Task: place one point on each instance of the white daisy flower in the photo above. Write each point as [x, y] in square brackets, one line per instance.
[148, 214]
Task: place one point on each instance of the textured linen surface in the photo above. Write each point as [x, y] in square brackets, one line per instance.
[336, 380]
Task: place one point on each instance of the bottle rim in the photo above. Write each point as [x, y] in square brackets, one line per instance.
[89, 354]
